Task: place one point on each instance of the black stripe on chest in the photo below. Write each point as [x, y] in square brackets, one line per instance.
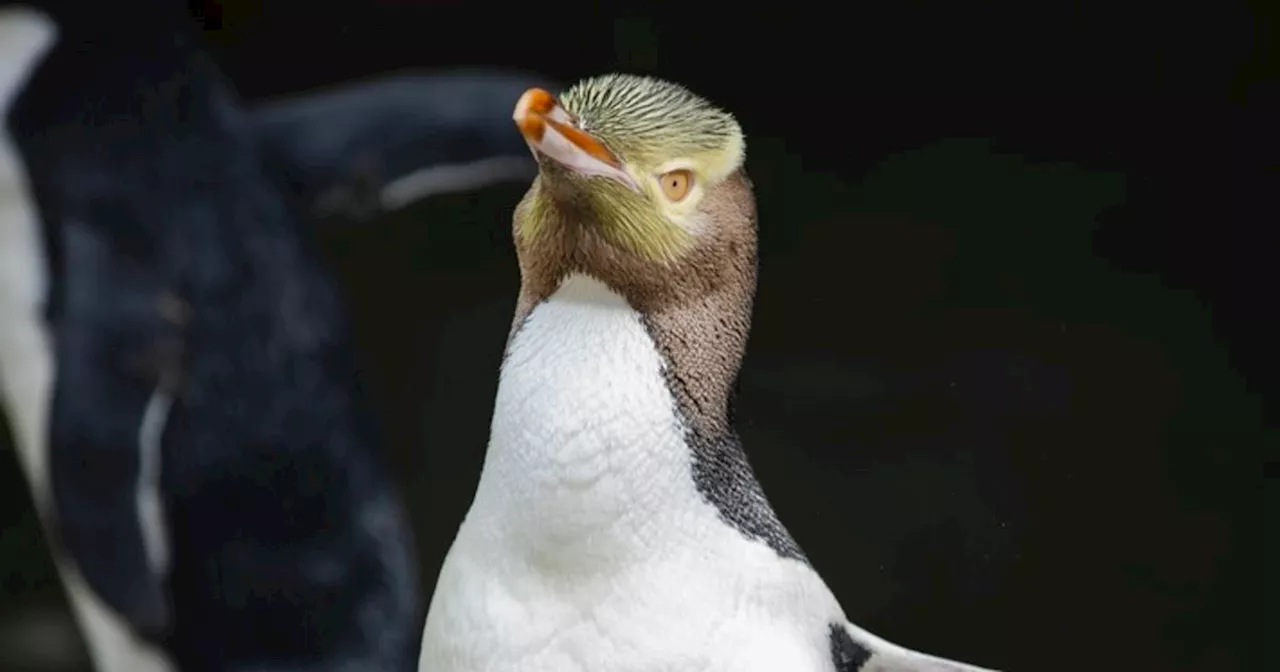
[724, 478]
[723, 475]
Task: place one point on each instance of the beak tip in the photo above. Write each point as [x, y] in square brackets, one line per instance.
[535, 101]
[533, 105]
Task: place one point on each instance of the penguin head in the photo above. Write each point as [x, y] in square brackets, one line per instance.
[640, 184]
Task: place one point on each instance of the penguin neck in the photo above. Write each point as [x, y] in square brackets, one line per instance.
[590, 456]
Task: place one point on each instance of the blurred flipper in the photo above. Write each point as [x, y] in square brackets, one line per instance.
[364, 149]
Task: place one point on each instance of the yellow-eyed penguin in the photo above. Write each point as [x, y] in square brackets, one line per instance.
[617, 524]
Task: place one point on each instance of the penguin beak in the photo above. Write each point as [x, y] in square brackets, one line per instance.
[552, 132]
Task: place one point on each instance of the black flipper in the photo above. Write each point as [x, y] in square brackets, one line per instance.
[362, 149]
[114, 347]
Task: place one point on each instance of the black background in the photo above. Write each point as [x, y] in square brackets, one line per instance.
[1013, 277]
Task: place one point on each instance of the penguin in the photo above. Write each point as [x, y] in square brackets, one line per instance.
[617, 524]
[178, 368]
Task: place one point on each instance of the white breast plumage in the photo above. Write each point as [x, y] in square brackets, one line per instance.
[587, 546]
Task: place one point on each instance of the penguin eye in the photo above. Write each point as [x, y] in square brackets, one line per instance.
[676, 184]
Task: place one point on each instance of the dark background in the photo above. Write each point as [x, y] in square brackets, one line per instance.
[1006, 379]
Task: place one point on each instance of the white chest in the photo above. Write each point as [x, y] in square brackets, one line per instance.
[588, 546]
[585, 438]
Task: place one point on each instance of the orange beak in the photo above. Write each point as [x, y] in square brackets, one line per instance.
[551, 131]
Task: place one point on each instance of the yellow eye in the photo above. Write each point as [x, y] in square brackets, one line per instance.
[676, 184]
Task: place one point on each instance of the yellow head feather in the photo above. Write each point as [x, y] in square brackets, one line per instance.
[653, 127]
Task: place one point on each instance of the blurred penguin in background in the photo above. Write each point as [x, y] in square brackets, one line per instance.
[175, 360]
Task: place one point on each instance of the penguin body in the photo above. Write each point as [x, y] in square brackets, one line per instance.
[617, 525]
[619, 562]
[212, 468]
